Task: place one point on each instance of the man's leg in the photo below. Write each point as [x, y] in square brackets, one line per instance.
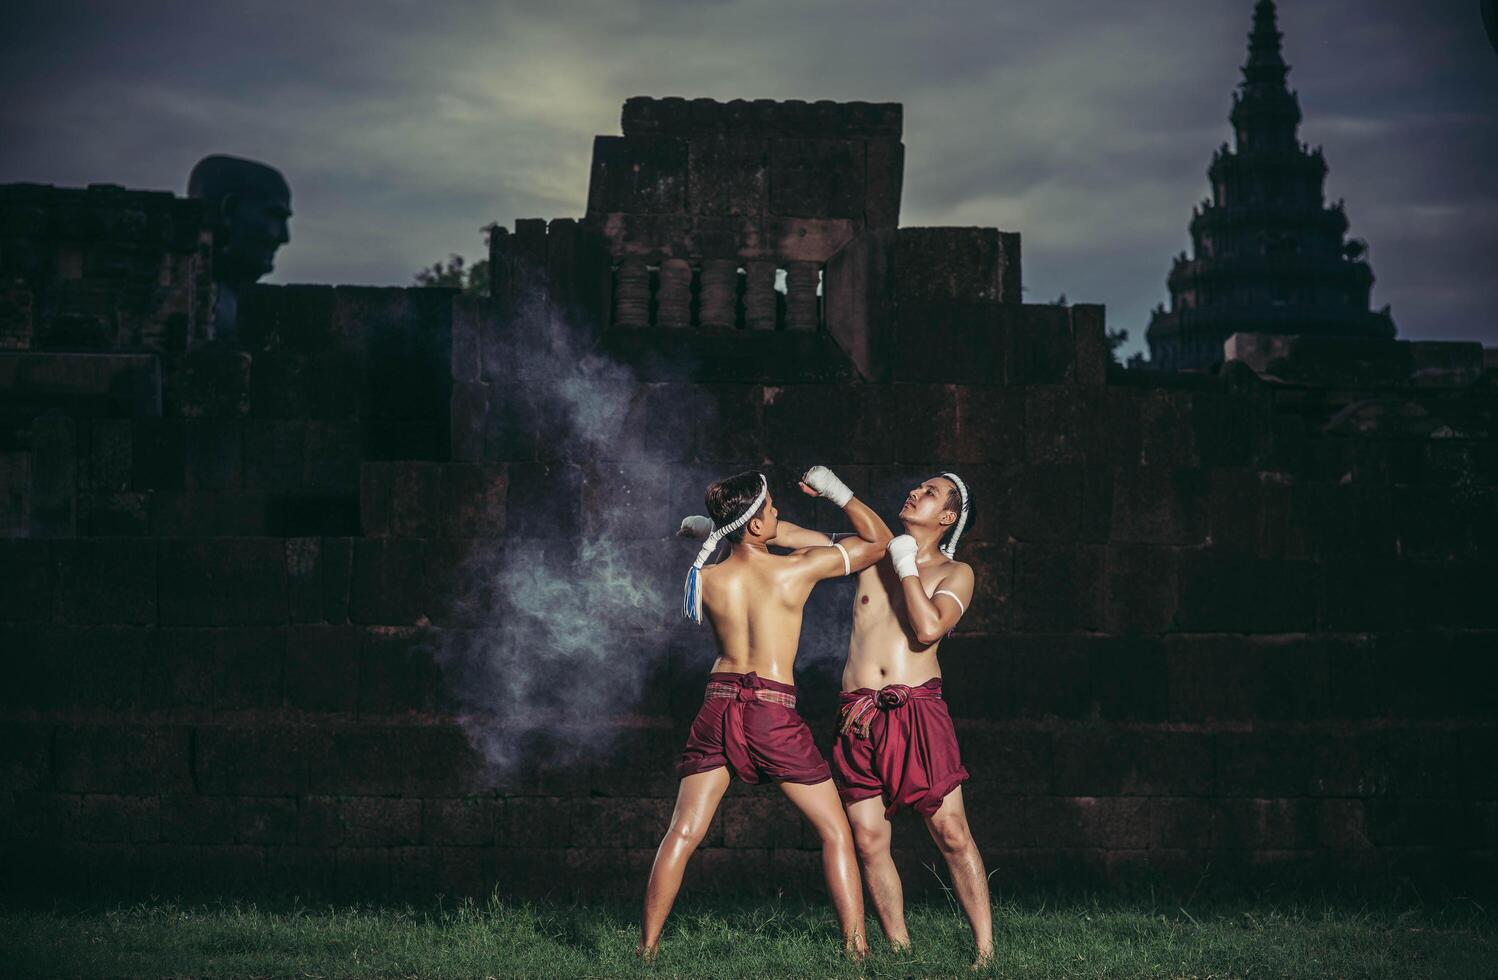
[949, 829]
[696, 801]
[871, 836]
[820, 805]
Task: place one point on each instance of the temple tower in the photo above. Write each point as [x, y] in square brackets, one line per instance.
[1268, 254]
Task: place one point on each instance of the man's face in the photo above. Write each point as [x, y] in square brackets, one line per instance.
[257, 226]
[926, 505]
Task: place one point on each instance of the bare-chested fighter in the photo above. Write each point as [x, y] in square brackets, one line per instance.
[895, 745]
[748, 725]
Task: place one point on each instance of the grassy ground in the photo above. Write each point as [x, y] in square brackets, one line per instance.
[1036, 938]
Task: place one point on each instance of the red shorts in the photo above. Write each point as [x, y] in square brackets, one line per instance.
[897, 743]
[750, 725]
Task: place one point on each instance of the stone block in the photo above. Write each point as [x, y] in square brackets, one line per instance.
[1169, 435]
[1057, 587]
[1089, 330]
[1133, 764]
[950, 264]
[251, 759]
[990, 425]
[54, 478]
[104, 667]
[1265, 824]
[728, 175]
[397, 673]
[1183, 822]
[388, 584]
[31, 578]
[1042, 348]
[1141, 588]
[105, 455]
[638, 175]
[1005, 761]
[79, 385]
[220, 669]
[214, 454]
[1129, 678]
[15, 494]
[1215, 590]
[209, 513]
[469, 411]
[474, 499]
[1084, 821]
[223, 582]
[817, 178]
[949, 341]
[543, 500]
[1230, 677]
[106, 581]
[400, 499]
[465, 822]
[1155, 505]
[212, 384]
[120, 819]
[128, 759]
[884, 163]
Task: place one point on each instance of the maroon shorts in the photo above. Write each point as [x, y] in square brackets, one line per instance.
[750, 725]
[897, 743]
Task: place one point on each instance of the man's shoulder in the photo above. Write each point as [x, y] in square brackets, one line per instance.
[954, 569]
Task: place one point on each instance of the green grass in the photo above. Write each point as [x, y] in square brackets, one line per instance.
[1104, 938]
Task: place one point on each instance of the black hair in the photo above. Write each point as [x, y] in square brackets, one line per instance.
[727, 499]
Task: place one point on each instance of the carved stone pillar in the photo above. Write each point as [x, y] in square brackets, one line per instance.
[801, 296]
[632, 294]
[759, 295]
[720, 281]
[673, 303]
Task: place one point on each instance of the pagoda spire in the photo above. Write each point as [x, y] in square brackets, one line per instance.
[1266, 114]
[1265, 65]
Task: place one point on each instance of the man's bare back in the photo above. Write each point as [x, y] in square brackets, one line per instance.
[754, 601]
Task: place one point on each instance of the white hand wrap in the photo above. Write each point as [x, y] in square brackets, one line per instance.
[902, 552]
[826, 483]
[695, 526]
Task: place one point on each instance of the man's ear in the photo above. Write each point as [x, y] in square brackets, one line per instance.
[756, 526]
[227, 207]
[946, 518]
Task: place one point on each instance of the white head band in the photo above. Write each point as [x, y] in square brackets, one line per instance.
[950, 547]
[691, 603]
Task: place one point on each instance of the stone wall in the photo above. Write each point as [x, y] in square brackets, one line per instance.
[1235, 629]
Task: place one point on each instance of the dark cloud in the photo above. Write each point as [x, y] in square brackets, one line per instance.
[405, 127]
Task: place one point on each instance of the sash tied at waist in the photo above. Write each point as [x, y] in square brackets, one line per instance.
[741, 692]
[858, 708]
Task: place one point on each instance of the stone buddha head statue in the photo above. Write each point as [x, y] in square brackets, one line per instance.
[248, 204]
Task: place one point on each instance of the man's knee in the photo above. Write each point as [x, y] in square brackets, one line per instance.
[871, 842]
[687, 835]
[951, 833]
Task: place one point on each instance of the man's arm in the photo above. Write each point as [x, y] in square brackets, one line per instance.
[931, 617]
[851, 554]
[787, 535]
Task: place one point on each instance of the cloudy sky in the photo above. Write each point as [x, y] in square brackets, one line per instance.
[404, 127]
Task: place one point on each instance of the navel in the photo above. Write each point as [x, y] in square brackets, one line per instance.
[864, 600]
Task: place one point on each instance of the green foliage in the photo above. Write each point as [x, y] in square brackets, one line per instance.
[781, 938]
[455, 273]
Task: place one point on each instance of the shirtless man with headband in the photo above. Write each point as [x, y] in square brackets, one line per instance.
[748, 725]
[895, 745]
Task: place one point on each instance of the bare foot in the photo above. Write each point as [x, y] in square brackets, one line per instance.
[856, 948]
[983, 960]
[900, 947]
[647, 954]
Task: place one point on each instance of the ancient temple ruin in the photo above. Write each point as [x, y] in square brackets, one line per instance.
[1230, 629]
[1268, 254]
